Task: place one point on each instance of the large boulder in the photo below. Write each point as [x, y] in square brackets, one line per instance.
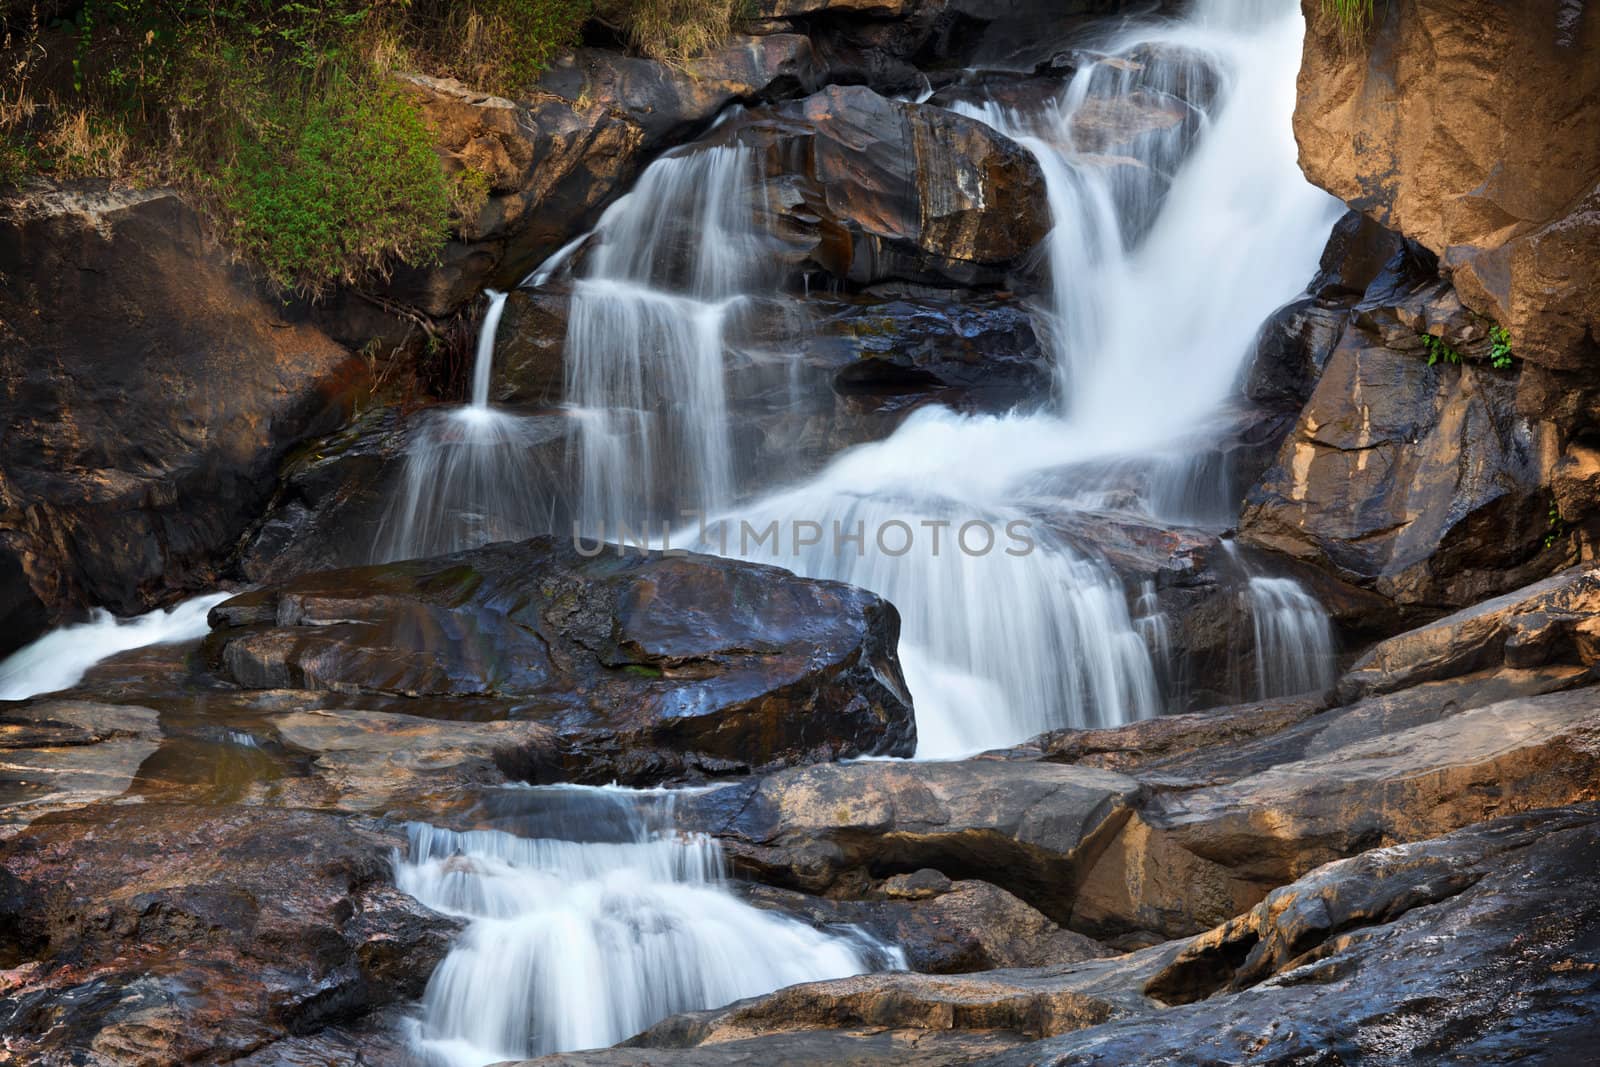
[1553, 621]
[153, 933]
[871, 189]
[1198, 852]
[1426, 129]
[1031, 828]
[648, 663]
[149, 389]
[669, 101]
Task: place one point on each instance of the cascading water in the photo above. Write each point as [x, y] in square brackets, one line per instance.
[59, 659]
[474, 474]
[644, 353]
[581, 943]
[1294, 639]
[1161, 273]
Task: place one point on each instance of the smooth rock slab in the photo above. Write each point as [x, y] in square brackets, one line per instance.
[721, 664]
[1031, 828]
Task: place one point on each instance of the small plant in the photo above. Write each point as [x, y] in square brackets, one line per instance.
[1557, 526]
[1353, 17]
[1500, 354]
[1439, 349]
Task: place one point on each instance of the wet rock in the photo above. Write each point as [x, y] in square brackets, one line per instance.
[149, 388]
[1511, 205]
[1292, 349]
[950, 929]
[980, 353]
[552, 166]
[63, 754]
[1480, 944]
[1478, 947]
[645, 664]
[529, 354]
[189, 934]
[668, 101]
[1126, 748]
[1548, 622]
[1030, 828]
[1419, 482]
[342, 500]
[860, 1047]
[870, 189]
[1195, 856]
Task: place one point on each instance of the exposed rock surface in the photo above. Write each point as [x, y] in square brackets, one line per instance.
[1481, 944]
[1553, 621]
[160, 934]
[1429, 132]
[552, 166]
[149, 389]
[871, 189]
[1420, 480]
[1031, 828]
[638, 660]
[944, 927]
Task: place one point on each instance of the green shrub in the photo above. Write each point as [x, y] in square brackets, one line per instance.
[336, 184]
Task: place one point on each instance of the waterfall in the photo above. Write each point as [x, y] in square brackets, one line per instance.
[1162, 267]
[644, 353]
[474, 474]
[576, 944]
[1293, 638]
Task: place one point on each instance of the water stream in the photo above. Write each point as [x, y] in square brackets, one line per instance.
[592, 922]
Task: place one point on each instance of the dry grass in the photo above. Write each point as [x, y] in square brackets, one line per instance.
[676, 30]
[82, 145]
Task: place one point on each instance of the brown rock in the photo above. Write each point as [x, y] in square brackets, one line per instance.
[149, 388]
[895, 190]
[1528, 628]
[1420, 482]
[1469, 126]
[162, 934]
[553, 165]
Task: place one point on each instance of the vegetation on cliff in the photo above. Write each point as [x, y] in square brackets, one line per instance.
[281, 117]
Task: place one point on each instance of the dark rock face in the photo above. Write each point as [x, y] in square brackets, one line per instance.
[669, 101]
[723, 663]
[1421, 482]
[163, 934]
[871, 189]
[1477, 947]
[944, 927]
[981, 353]
[1553, 621]
[148, 389]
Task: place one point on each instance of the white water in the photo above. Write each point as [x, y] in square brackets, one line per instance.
[59, 659]
[1149, 336]
[580, 945]
[644, 352]
[473, 474]
[1293, 637]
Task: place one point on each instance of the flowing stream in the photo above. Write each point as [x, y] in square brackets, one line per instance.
[592, 922]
